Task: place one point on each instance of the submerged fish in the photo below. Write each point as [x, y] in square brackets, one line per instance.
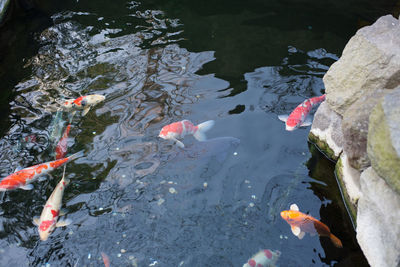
[298, 117]
[61, 148]
[83, 103]
[56, 127]
[48, 220]
[106, 260]
[263, 258]
[179, 129]
[301, 223]
[23, 178]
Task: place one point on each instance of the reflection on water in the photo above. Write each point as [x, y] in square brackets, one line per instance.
[140, 199]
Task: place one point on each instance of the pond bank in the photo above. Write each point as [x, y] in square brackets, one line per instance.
[358, 127]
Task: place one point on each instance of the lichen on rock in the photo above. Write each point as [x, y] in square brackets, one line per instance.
[384, 139]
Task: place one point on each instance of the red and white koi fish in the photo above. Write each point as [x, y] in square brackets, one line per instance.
[61, 148]
[83, 103]
[48, 220]
[179, 129]
[298, 117]
[264, 258]
[23, 178]
[301, 223]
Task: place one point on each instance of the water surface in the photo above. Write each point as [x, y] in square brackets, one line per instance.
[140, 199]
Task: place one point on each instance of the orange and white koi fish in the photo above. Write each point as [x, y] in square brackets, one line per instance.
[179, 129]
[302, 223]
[23, 178]
[263, 258]
[298, 117]
[48, 220]
[61, 148]
[83, 102]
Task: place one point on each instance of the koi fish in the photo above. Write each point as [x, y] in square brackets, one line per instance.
[301, 223]
[48, 220]
[23, 178]
[298, 117]
[263, 258]
[56, 127]
[61, 148]
[83, 102]
[179, 129]
[106, 260]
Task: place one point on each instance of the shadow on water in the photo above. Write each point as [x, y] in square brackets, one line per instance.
[142, 200]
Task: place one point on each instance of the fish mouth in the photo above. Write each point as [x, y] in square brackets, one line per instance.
[283, 215]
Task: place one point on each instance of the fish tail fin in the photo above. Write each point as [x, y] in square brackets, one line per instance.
[336, 241]
[76, 155]
[202, 128]
[66, 180]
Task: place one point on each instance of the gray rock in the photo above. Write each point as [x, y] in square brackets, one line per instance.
[384, 139]
[355, 128]
[378, 224]
[326, 131]
[370, 60]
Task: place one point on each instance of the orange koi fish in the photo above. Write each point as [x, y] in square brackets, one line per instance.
[83, 102]
[302, 223]
[264, 258]
[179, 129]
[298, 117]
[61, 148]
[23, 178]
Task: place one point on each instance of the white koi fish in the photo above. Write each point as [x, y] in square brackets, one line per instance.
[263, 258]
[51, 211]
[179, 129]
[83, 103]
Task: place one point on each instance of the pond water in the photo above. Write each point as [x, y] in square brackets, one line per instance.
[140, 199]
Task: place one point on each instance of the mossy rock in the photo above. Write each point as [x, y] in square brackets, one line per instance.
[351, 207]
[323, 147]
[384, 139]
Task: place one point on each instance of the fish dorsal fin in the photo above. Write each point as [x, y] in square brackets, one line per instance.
[283, 117]
[36, 221]
[296, 230]
[294, 207]
[18, 169]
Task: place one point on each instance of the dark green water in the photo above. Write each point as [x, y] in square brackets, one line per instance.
[138, 198]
